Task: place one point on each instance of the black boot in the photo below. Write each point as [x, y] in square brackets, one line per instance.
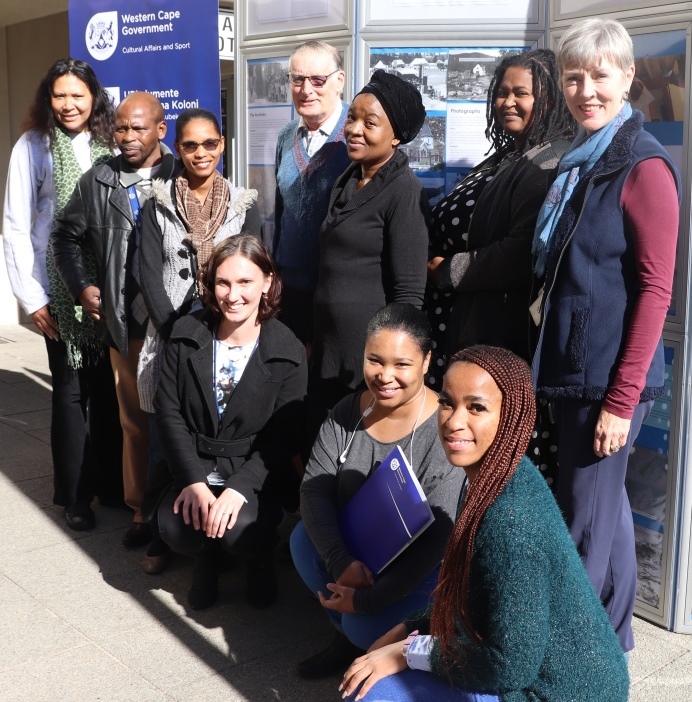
[334, 659]
[80, 517]
[204, 590]
[261, 581]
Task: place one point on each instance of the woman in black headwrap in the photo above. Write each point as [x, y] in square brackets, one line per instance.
[374, 241]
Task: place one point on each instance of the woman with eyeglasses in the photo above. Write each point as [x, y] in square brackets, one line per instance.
[181, 223]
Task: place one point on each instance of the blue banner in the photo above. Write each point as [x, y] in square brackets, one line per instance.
[167, 47]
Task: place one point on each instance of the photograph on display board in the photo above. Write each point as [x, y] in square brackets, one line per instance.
[470, 72]
[267, 82]
[453, 83]
[424, 68]
[658, 90]
[263, 180]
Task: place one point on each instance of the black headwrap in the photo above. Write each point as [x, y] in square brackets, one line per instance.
[401, 101]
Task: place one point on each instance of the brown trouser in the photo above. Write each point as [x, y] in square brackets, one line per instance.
[135, 423]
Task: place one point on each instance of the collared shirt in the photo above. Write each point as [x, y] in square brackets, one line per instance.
[314, 141]
[142, 179]
[81, 145]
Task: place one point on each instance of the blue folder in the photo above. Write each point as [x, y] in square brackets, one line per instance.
[388, 512]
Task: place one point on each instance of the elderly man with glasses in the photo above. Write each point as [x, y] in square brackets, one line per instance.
[310, 155]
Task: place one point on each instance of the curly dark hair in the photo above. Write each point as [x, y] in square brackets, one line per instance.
[551, 119]
[517, 415]
[40, 115]
[254, 250]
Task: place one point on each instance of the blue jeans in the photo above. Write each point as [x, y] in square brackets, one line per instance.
[361, 629]
[417, 685]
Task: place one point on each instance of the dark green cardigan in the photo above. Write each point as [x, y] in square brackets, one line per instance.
[545, 633]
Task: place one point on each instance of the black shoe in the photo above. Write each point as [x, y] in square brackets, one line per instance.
[204, 590]
[139, 534]
[334, 660]
[157, 557]
[80, 518]
[261, 582]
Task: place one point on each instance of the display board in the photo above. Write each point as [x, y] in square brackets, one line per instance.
[648, 487]
[436, 45]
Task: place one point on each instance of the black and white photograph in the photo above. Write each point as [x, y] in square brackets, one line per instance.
[267, 83]
[424, 68]
[470, 71]
[427, 150]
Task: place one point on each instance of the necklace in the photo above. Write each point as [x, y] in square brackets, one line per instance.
[415, 425]
[366, 412]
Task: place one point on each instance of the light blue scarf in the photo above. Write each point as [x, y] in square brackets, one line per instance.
[580, 159]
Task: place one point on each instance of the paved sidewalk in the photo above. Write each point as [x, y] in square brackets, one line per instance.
[80, 621]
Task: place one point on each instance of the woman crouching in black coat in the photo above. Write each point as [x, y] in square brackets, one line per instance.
[229, 408]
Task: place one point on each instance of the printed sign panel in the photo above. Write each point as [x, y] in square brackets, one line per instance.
[166, 47]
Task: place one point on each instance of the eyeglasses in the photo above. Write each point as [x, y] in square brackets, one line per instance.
[189, 147]
[316, 81]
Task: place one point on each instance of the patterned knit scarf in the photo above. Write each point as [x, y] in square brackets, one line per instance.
[77, 331]
[202, 221]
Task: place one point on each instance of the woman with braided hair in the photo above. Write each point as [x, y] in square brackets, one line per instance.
[514, 616]
[480, 271]
[480, 277]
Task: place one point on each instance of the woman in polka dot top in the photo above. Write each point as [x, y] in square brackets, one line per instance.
[480, 277]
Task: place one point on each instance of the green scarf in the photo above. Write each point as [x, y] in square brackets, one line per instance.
[84, 346]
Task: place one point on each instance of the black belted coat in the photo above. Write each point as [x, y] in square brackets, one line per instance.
[262, 426]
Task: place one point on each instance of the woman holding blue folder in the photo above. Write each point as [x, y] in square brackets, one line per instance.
[515, 616]
[363, 428]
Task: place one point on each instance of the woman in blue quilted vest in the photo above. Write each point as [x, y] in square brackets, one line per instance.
[605, 244]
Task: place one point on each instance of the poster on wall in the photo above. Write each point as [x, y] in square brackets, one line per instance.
[269, 109]
[453, 83]
[166, 47]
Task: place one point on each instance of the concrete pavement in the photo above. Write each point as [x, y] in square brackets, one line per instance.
[80, 621]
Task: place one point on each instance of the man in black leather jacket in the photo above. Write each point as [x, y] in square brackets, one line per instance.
[101, 217]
